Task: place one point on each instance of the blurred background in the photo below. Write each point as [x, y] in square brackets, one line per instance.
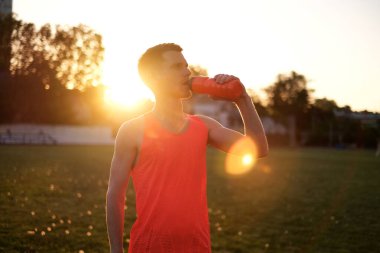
[68, 79]
[310, 66]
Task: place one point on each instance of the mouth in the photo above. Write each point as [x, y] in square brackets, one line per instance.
[187, 83]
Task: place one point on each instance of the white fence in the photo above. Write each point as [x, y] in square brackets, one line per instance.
[59, 134]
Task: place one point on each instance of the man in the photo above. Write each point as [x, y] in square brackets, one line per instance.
[165, 153]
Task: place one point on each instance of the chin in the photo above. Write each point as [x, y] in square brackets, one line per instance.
[187, 96]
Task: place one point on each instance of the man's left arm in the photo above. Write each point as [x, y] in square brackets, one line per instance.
[224, 138]
[253, 127]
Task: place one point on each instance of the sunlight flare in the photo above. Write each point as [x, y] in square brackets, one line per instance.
[126, 93]
[242, 157]
[126, 98]
[247, 159]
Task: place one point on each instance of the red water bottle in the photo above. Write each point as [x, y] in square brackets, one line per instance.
[230, 90]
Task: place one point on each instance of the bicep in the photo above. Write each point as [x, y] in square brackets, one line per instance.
[221, 137]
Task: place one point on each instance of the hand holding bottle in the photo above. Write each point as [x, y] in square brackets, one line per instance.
[221, 86]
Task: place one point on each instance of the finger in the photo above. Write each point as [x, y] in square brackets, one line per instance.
[222, 78]
[230, 78]
[219, 78]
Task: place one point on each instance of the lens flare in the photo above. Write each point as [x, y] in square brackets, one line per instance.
[241, 157]
[247, 159]
[125, 98]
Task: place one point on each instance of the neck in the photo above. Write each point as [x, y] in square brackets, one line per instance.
[170, 114]
[170, 109]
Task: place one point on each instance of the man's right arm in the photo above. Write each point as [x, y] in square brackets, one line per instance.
[124, 156]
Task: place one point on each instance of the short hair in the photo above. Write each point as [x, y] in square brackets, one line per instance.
[152, 57]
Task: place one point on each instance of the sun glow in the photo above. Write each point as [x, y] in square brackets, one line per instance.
[124, 88]
[126, 96]
[247, 159]
[242, 157]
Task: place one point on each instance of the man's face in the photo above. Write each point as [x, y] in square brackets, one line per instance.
[173, 75]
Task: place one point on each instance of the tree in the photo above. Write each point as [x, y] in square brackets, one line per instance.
[68, 56]
[289, 100]
[7, 23]
[197, 70]
[31, 55]
[52, 71]
[77, 56]
[289, 95]
[257, 101]
[323, 122]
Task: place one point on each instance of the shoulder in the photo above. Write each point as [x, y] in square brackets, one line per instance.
[209, 122]
[133, 124]
[132, 129]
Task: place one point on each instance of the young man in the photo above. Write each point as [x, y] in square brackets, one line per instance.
[165, 153]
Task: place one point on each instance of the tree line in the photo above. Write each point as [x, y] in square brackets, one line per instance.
[318, 121]
[52, 75]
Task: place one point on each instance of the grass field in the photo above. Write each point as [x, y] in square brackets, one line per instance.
[52, 199]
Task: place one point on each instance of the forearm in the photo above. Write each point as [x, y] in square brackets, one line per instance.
[115, 221]
[253, 127]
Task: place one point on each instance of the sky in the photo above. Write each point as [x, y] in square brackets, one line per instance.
[333, 43]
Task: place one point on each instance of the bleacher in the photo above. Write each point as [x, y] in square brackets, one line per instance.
[26, 138]
[55, 134]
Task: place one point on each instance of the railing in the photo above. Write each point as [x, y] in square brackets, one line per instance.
[27, 138]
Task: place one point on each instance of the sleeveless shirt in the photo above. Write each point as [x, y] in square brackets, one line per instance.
[170, 185]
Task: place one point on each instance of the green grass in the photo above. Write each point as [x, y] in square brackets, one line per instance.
[52, 199]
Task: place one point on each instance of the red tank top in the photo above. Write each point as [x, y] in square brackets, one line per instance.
[170, 184]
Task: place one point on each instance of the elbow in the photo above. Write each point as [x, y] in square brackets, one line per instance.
[260, 146]
[263, 154]
[263, 151]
